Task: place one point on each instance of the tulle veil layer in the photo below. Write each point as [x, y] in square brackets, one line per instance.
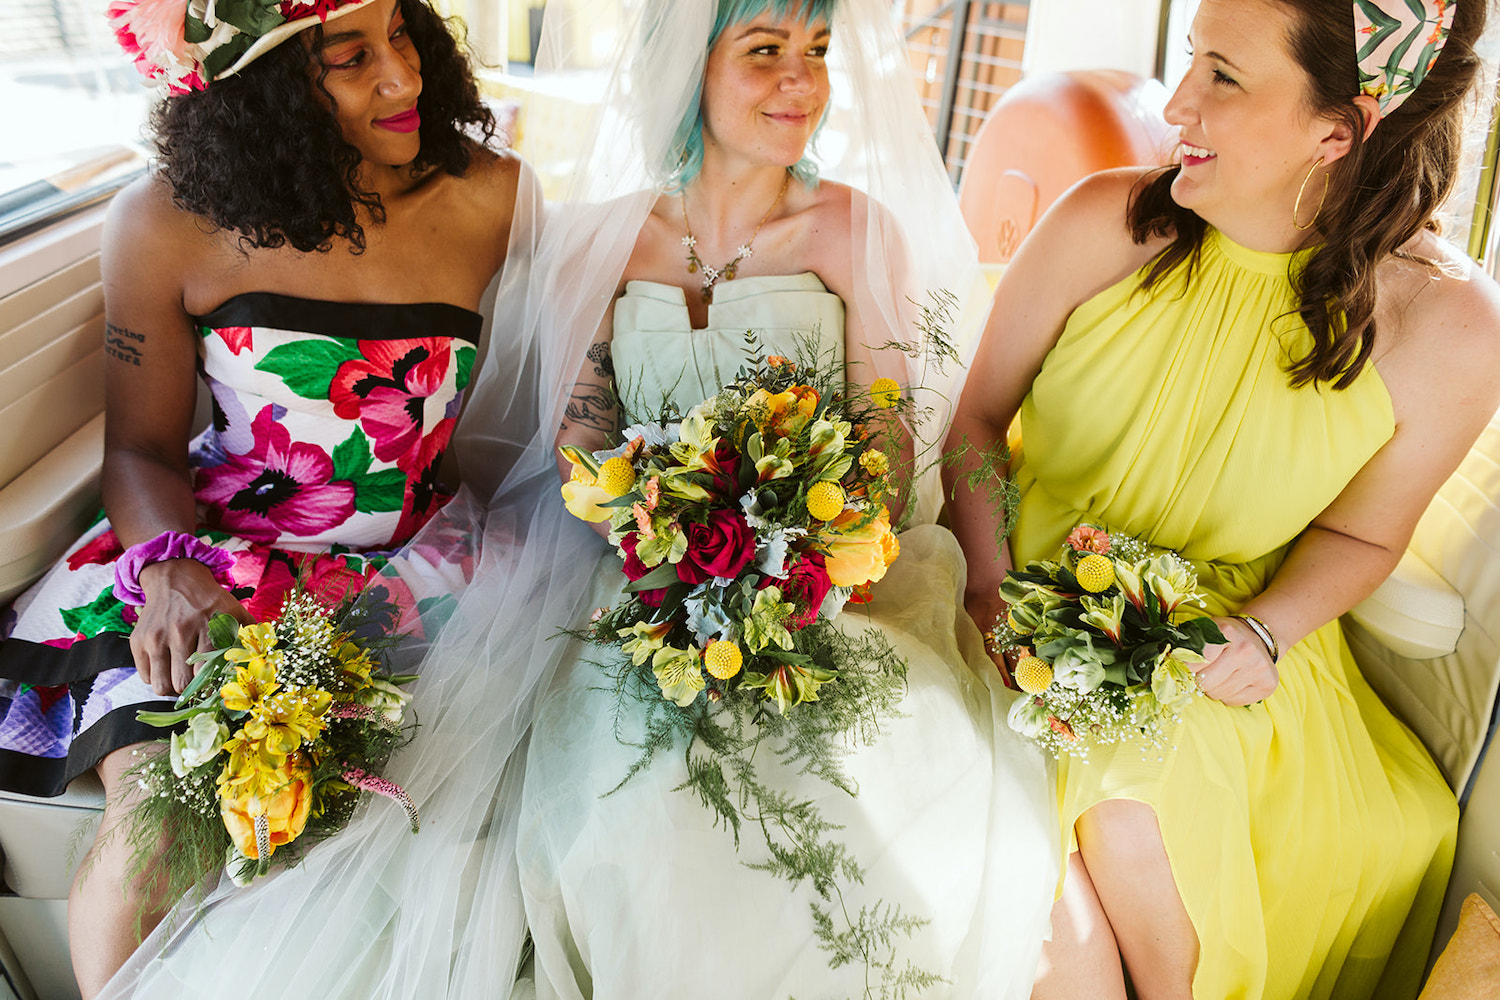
[377, 912]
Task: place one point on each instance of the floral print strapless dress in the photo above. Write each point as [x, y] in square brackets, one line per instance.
[329, 423]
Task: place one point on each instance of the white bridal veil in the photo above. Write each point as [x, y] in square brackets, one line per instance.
[377, 912]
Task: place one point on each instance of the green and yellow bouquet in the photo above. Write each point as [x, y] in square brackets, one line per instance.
[756, 514]
[1105, 636]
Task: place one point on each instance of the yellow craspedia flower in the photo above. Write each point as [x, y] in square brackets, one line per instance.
[1095, 573]
[616, 476]
[723, 659]
[885, 392]
[1033, 674]
[825, 501]
[874, 462]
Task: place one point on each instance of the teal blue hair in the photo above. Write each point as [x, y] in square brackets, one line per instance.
[687, 146]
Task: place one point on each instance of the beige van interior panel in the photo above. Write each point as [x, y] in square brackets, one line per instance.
[1476, 867]
[1447, 700]
[1414, 613]
[30, 303]
[51, 361]
[56, 349]
[45, 508]
[51, 396]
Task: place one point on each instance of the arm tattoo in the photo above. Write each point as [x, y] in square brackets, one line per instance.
[591, 406]
[604, 362]
[120, 344]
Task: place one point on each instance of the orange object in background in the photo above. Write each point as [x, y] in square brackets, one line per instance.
[1047, 133]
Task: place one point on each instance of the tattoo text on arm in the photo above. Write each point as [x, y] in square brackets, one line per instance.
[122, 344]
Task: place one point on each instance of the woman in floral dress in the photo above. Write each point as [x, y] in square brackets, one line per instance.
[313, 242]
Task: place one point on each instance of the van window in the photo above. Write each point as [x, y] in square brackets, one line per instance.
[75, 108]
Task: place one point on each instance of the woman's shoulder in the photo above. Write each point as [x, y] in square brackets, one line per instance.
[1437, 325]
[146, 222]
[1433, 294]
[487, 185]
[1095, 213]
[1082, 244]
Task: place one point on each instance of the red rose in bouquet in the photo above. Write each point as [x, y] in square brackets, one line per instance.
[805, 585]
[720, 546]
[635, 569]
[726, 470]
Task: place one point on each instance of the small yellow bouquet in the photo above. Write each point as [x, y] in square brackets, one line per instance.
[287, 723]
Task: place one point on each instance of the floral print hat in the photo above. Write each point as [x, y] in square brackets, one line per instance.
[184, 45]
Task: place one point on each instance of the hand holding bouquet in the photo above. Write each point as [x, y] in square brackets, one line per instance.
[288, 721]
[1105, 639]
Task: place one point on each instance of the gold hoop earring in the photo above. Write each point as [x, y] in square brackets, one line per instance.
[1297, 208]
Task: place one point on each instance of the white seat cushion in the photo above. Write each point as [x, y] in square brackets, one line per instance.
[44, 840]
[1414, 613]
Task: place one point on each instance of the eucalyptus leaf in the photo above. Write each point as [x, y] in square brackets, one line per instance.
[662, 576]
[223, 630]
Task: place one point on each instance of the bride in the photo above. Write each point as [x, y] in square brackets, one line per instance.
[698, 215]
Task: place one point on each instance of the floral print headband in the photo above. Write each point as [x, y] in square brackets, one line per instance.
[1396, 42]
[184, 45]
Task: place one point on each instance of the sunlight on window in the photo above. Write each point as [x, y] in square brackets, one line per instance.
[75, 106]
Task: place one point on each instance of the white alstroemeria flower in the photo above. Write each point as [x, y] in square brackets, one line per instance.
[198, 744]
[385, 698]
[1027, 717]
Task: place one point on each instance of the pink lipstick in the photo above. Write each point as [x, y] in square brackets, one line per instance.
[406, 121]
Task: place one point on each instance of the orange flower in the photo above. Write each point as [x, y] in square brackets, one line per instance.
[1087, 538]
[1061, 728]
[285, 810]
[859, 553]
[783, 413]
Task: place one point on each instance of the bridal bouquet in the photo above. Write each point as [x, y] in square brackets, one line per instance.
[746, 525]
[1105, 637]
[755, 515]
[288, 722]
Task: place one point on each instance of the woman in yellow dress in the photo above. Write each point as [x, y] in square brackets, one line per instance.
[1268, 361]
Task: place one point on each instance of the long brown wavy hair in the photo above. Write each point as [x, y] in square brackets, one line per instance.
[1382, 193]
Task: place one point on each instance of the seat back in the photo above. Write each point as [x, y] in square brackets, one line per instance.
[51, 394]
[1448, 701]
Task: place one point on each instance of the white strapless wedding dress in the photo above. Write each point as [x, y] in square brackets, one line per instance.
[638, 894]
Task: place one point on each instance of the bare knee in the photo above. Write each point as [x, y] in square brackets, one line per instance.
[1082, 958]
[1128, 866]
[117, 849]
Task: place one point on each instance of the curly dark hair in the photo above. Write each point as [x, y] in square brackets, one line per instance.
[260, 154]
[1381, 193]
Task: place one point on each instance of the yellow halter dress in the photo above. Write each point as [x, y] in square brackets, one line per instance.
[1311, 835]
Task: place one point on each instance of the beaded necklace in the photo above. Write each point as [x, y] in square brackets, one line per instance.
[711, 275]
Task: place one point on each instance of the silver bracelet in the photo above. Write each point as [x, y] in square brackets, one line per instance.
[1263, 633]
